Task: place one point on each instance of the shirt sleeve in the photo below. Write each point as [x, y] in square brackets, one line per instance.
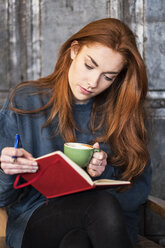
[131, 199]
[8, 126]
[8, 129]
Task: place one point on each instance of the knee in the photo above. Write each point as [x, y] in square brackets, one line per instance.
[106, 209]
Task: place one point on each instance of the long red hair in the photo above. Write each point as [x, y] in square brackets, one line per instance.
[121, 114]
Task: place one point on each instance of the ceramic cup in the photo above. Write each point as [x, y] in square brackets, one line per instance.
[80, 153]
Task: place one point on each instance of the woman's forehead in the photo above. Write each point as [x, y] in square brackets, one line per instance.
[102, 56]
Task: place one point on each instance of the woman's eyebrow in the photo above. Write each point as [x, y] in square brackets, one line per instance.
[94, 62]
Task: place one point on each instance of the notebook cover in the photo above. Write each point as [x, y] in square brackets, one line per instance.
[56, 177]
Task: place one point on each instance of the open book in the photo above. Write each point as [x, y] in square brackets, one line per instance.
[58, 175]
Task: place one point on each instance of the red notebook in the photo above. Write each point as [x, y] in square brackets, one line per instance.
[58, 175]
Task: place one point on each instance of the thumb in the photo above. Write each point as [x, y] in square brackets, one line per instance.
[96, 145]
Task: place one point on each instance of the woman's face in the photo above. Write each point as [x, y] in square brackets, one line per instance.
[93, 69]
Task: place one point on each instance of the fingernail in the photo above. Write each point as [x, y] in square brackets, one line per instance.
[34, 163]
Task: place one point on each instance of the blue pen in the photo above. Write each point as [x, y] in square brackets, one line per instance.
[16, 144]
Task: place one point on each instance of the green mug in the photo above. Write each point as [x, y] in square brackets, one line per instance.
[80, 153]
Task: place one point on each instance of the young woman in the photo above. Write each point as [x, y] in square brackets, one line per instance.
[95, 95]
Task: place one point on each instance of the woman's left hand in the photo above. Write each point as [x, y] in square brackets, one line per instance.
[97, 163]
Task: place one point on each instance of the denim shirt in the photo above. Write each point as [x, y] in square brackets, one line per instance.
[21, 203]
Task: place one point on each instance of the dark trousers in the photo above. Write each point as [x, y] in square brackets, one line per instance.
[82, 220]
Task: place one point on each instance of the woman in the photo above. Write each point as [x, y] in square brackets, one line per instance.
[95, 95]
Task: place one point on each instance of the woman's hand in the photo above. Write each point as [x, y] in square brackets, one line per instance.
[97, 163]
[24, 162]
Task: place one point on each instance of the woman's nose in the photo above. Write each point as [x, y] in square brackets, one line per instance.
[93, 81]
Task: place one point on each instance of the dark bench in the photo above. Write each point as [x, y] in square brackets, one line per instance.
[157, 205]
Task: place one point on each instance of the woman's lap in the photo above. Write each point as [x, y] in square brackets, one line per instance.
[96, 214]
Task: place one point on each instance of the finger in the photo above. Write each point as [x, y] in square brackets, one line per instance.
[95, 161]
[17, 152]
[98, 168]
[93, 173]
[18, 171]
[17, 168]
[24, 161]
[18, 160]
[100, 155]
[18, 165]
[96, 145]
[22, 167]
[6, 159]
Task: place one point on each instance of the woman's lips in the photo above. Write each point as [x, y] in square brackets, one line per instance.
[84, 91]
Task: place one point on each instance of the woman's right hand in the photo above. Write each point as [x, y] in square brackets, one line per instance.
[24, 162]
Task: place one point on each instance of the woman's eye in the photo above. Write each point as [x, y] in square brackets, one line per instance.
[88, 67]
[107, 78]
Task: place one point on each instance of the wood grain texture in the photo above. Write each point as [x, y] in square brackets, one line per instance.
[157, 205]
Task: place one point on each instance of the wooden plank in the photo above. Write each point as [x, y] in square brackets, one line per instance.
[3, 220]
[115, 9]
[146, 243]
[157, 205]
[4, 56]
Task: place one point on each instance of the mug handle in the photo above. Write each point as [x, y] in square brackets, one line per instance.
[96, 150]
